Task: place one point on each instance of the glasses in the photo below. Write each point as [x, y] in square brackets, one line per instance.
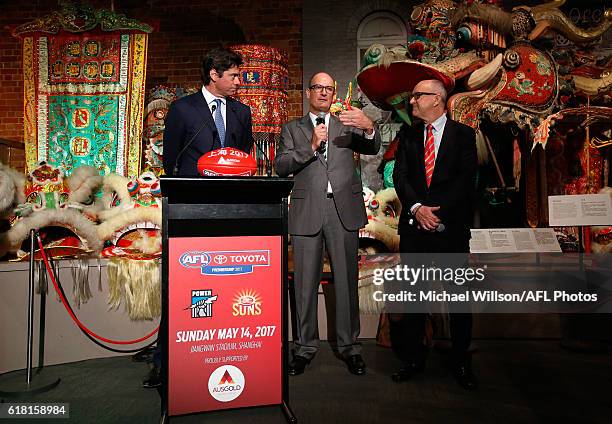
[319, 88]
[418, 94]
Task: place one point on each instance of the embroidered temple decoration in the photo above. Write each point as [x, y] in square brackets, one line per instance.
[130, 226]
[264, 82]
[525, 79]
[84, 79]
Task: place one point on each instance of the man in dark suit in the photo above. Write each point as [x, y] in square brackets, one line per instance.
[202, 122]
[326, 208]
[209, 119]
[434, 176]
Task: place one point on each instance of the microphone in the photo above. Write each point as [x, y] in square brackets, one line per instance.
[321, 120]
[267, 161]
[193, 137]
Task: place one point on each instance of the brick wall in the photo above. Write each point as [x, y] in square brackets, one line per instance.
[330, 35]
[185, 30]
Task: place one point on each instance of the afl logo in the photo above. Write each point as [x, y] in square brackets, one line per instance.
[194, 259]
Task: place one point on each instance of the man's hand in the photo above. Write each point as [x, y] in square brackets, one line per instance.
[318, 136]
[427, 218]
[356, 118]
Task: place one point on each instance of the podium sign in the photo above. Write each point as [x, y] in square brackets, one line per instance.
[225, 319]
[223, 332]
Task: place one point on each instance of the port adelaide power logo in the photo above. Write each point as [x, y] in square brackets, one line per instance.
[202, 303]
[225, 262]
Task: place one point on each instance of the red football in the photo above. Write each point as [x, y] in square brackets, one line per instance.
[227, 161]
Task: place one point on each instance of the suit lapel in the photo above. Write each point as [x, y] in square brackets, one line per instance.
[420, 147]
[231, 120]
[445, 145]
[333, 132]
[203, 110]
[305, 125]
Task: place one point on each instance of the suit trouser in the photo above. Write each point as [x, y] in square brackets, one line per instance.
[342, 247]
[408, 330]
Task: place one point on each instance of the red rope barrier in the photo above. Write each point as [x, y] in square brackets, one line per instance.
[74, 317]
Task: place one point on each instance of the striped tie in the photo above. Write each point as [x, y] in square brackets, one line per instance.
[219, 122]
[430, 154]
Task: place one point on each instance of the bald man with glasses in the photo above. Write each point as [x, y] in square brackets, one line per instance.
[326, 211]
[434, 176]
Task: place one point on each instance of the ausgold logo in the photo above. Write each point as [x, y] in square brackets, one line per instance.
[226, 383]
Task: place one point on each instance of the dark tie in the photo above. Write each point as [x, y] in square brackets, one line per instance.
[219, 122]
[323, 146]
[430, 154]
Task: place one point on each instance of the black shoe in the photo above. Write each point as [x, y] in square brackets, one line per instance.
[355, 364]
[153, 379]
[408, 371]
[145, 355]
[465, 377]
[298, 364]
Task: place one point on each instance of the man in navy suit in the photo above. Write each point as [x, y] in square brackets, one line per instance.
[209, 119]
[201, 122]
[434, 176]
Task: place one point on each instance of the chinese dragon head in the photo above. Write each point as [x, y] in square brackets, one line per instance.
[62, 209]
[130, 226]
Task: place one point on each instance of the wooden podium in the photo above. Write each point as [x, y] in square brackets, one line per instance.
[224, 328]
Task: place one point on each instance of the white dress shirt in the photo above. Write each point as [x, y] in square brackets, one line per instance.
[210, 101]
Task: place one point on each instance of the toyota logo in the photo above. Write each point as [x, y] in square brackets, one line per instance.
[220, 259]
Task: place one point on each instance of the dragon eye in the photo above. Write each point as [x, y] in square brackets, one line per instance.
[116, 201]
[132, 186]
[155, 188]
[63, 198]
[389, 211]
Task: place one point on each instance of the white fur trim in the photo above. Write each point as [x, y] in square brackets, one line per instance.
[83, 183]
[115, 183]
[75, 221]
[121, 220]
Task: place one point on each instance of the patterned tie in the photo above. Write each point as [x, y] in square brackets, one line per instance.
[323, 149]
[323, 146]
[430, 154]
[219, 122]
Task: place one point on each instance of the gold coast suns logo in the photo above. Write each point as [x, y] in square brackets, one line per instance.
[246, 302]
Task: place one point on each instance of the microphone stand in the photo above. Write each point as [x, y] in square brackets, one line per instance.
[267, 162]
[193, 137]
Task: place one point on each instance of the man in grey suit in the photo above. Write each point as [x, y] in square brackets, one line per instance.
[326, 208]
